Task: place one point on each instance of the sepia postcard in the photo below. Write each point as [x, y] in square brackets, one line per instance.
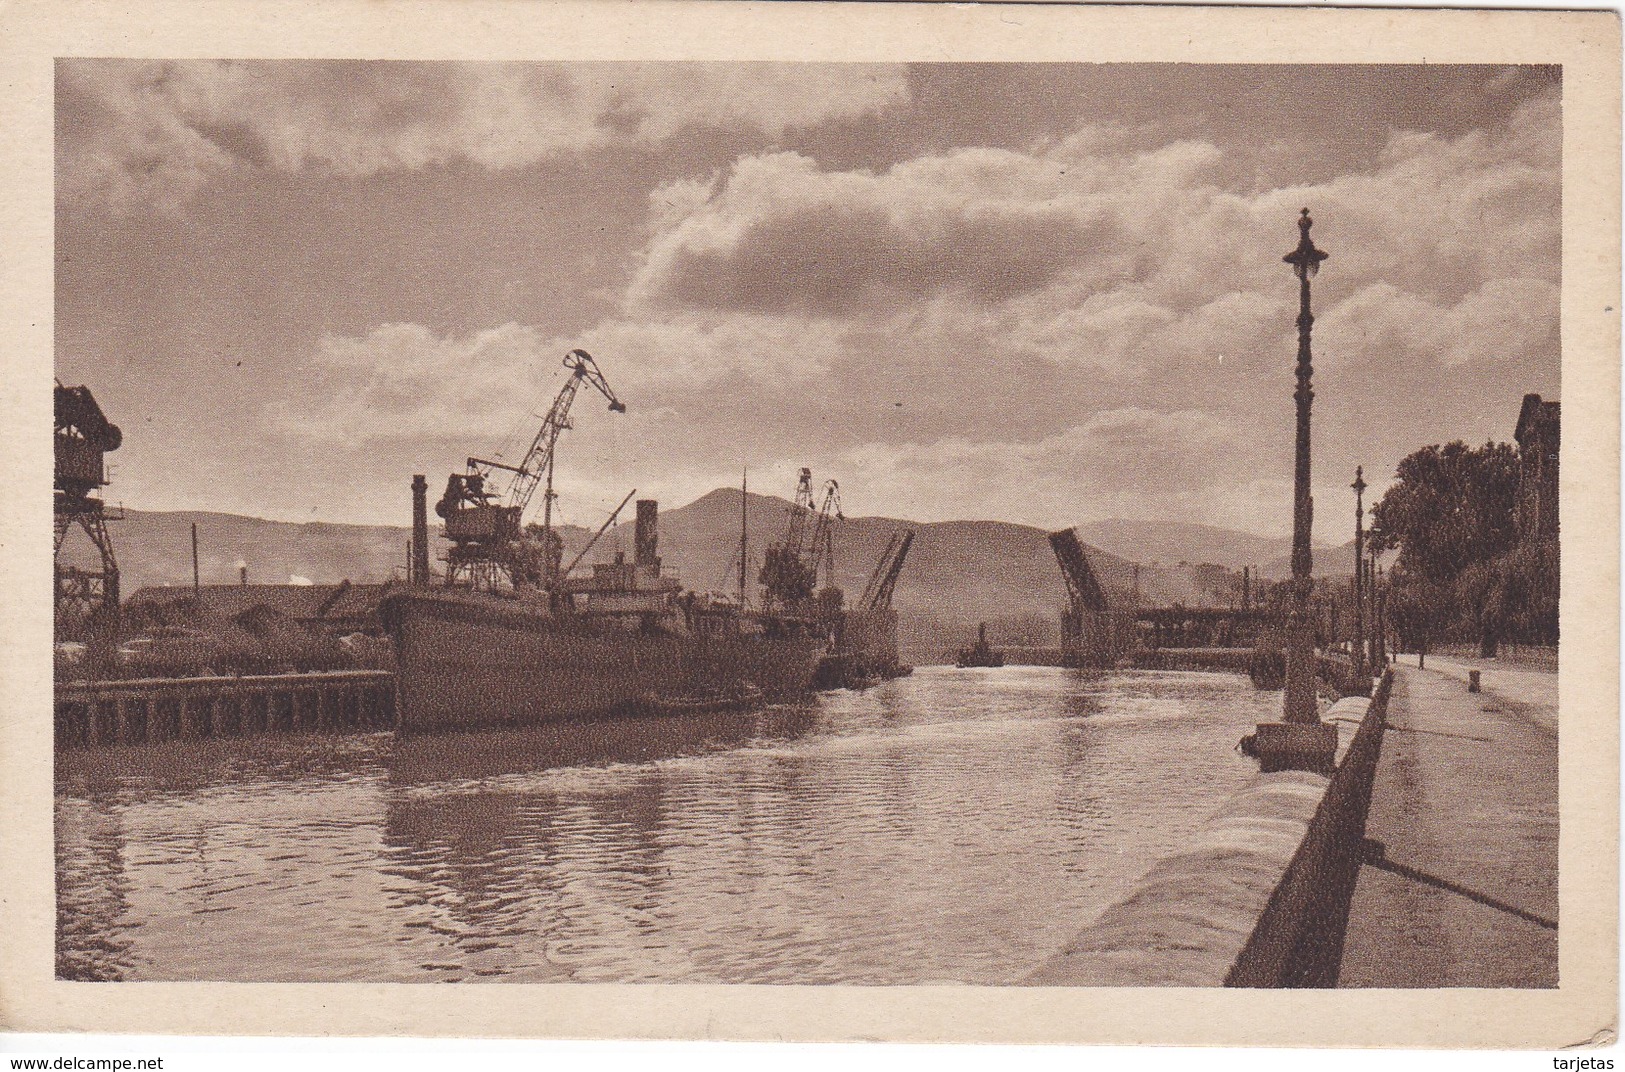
[801, 521]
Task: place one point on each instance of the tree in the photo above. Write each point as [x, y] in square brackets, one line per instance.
[1417, 609]
[1450, 507]
[1450, 513]
[1529, 582]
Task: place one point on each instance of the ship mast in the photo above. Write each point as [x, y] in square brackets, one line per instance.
[550, 565]
[744, 505]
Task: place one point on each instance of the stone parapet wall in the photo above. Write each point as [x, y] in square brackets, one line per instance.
[1257, 898]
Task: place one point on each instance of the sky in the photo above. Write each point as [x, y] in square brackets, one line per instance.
[1046, 294]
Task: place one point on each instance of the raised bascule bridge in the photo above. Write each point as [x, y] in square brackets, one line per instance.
[1101, 632]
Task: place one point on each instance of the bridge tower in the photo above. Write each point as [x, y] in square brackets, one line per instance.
[86, 596]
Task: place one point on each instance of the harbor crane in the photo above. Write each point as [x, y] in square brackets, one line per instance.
[823, 535]
[83, 435]
[489, 543]
[790, 568]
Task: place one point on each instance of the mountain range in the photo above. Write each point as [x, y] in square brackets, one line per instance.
[958, 573]
[1173, 542]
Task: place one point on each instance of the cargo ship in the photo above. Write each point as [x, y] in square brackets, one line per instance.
[626, 640]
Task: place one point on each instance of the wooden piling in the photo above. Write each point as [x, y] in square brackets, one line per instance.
[100, 713]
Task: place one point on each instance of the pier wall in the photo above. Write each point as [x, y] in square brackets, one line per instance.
[1336, 672]
[1224, 660]
[100, 713]
[1260, 896]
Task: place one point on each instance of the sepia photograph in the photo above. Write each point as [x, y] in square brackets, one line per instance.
[1018, 527]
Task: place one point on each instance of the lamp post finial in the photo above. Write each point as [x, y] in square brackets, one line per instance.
[1305, 260]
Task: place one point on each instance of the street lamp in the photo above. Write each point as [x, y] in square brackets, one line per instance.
[1300, 741]
[1359, 486]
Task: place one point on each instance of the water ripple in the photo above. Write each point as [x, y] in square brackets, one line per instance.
[951, 827]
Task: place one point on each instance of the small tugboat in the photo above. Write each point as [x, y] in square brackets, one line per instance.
[979, 653]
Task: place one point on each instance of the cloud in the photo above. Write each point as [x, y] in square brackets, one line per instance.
[405, 381]
[1512, 316]
[1128, 260]
[1123, 462]
[780, 234]
[1084, 331]
[156, 132]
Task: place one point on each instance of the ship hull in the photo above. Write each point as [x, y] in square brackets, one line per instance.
[865, 650]
[467, 663]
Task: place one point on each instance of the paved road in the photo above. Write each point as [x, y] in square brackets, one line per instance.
[1535, 692]
[1466, 791]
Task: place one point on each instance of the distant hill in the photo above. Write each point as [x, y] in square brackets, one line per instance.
[1173, 542]
[1327, 562]
[985, 568]
[155, 547]
[958, 573]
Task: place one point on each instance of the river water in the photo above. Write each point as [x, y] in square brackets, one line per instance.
[953, 826]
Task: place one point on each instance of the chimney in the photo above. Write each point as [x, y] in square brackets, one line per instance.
[420, 530]
[242, 574]
[647, 539]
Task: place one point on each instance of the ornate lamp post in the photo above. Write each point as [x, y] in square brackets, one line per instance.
[1358, 652]
[1379, 596]
[1300, 659]
[1300, 741]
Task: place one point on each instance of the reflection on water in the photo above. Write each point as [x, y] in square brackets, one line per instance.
[954, 826]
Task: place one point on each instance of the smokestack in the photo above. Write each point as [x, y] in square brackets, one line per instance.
[242, 574]
[1246, 588]
[646, 542]
[195, 583]
[420, 530]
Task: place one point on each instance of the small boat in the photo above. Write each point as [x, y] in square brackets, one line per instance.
[979, 653]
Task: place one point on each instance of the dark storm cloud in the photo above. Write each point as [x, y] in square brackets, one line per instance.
[840, 260]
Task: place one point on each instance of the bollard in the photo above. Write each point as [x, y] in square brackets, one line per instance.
[1472, 681]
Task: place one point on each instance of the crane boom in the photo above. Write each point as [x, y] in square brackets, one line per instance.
[538, 463]
[789, 573]
[823, 534]
[488, 537]
[608, 521]
[796, 530]
[877, 595]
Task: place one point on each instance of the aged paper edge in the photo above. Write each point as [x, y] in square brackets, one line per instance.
[1587, 44]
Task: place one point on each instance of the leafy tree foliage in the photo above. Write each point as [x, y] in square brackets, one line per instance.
[1451, 507]
[1461, 571]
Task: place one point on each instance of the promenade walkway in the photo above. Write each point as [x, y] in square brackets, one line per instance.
[1533, 692]
[1466, 792]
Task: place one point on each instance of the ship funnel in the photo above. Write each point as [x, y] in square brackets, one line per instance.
[647, 540]
[420, 530]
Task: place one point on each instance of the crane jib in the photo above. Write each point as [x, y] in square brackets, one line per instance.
[487, 538]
